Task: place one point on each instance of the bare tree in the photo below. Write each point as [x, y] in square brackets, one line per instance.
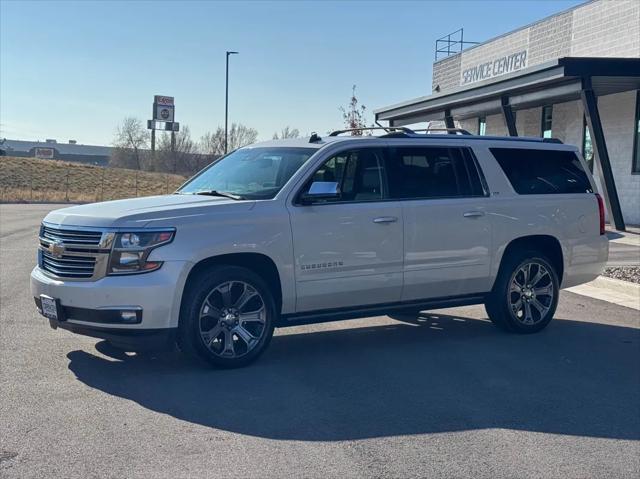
[212, 143]
[239, 136]
[129, 143]
[354, 115]
[179, 159]
[287, 132]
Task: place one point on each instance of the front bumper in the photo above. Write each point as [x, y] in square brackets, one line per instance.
[156, 295]
[126, 339]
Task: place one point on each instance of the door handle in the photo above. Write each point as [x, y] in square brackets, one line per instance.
[473, 214]
[385, 219]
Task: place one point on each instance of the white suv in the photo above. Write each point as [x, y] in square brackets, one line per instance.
[319, 229]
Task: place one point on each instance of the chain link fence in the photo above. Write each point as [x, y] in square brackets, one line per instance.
[29, 179]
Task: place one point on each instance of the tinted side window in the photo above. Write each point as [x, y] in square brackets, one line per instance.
[431, 172]
[358, 172]
[534, 172]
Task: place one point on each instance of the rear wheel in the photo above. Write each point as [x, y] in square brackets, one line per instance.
[227, 317]
[525, 296]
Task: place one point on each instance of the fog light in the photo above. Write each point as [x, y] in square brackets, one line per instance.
[129, 316]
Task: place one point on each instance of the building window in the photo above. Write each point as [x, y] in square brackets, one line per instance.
[636, 140]
[547, 115]
[587, 146]
[482, 125]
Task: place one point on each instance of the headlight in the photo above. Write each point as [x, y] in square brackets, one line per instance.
[131, 250]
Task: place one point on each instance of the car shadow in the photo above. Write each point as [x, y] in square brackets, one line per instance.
[440, 373]
[612, 235]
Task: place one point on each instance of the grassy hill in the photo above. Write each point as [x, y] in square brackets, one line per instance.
[32, 179]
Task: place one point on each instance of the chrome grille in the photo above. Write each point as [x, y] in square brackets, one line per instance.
[70, 236]
[68, 266]
[74, 253]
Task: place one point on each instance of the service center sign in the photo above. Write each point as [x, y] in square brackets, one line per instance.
[163, 108]
[499, 66]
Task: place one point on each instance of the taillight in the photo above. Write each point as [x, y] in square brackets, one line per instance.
[601, 210]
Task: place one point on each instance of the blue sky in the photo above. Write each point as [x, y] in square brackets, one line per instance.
[76, 69]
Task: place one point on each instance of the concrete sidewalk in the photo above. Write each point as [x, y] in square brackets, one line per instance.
[624, 250]
[630, 237]
[615, 291]
[624, 247]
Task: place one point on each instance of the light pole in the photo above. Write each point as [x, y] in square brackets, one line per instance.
[226, 105]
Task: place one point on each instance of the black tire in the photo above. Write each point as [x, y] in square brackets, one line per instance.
[502, 303]
[204, 286]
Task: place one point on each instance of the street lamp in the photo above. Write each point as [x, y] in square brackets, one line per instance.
[226, 105]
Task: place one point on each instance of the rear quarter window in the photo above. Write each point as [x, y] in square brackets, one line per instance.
[542, 172]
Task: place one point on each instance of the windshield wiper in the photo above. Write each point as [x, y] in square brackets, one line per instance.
[224, 194]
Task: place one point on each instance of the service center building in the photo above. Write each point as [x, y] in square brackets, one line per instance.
[574, 76]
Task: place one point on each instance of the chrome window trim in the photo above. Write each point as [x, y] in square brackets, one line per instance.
[300, 186]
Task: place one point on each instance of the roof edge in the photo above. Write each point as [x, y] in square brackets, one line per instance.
[524, 27]
[491, 81]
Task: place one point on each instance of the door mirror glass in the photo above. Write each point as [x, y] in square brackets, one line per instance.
[322, 190]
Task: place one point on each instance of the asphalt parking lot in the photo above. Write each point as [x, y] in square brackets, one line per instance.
[446, 396]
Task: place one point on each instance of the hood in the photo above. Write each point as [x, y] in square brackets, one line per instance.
[141, 212]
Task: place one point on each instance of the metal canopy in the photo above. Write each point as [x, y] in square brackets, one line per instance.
[561, 80]
[552, 82]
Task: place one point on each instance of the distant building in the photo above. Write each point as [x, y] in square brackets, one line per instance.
[52, 150]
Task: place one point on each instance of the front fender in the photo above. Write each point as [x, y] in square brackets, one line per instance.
[264, 230]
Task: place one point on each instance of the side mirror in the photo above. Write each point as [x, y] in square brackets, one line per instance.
[321, 190]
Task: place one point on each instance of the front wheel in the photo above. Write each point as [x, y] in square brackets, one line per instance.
[227, 317]
[525, 296]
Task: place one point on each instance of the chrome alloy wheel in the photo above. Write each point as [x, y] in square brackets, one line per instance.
[531, 293]
[232, 319]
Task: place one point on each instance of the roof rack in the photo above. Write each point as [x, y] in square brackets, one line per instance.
[420, 133]
[386, 128]
[458, 131]
[404, 132]
[400, 129]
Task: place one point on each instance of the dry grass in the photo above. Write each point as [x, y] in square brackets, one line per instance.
[32, 179]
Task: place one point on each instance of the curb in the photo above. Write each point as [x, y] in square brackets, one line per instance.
[626, 287]
[616, 291]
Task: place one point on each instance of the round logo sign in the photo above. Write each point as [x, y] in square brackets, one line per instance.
[164, 113]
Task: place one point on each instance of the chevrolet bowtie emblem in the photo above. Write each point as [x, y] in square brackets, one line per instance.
[56, 249]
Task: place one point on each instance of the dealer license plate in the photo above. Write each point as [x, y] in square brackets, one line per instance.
[49, 307]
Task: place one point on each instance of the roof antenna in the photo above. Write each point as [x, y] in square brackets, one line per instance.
[314, 137]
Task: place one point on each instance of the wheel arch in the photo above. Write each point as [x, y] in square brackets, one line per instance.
[547, 245]
[259, 263]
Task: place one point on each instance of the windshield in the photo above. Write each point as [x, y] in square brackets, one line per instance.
[251, 173]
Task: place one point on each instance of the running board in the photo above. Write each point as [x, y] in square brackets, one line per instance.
[339, 314]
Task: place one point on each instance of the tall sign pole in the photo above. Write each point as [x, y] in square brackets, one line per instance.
[226, 105]
[162, 118]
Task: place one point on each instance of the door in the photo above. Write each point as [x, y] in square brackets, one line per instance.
[447, 233]
[348, 249]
